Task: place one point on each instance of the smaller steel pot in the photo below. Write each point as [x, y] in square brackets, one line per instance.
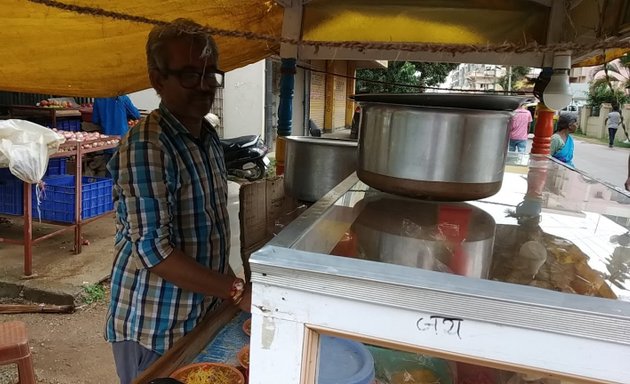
[314, 166]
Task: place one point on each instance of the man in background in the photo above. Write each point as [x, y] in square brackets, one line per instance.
[613, 122]
[519, 124]
[112, 114]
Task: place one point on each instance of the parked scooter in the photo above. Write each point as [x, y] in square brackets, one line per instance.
[246, 157]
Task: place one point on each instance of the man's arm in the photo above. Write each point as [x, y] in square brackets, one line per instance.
[627, 183]
[96, 113]
[131, 109]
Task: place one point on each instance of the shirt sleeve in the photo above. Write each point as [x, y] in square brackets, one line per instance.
[142, 186]
[131, 109]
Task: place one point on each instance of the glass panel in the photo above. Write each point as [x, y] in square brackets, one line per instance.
[348, 361]
[549, 227]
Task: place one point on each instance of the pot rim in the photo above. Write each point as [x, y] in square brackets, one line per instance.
[321, 141]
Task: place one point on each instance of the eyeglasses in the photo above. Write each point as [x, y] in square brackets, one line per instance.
[192, 79]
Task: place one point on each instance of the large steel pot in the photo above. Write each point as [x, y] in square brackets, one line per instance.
[441, 147]
[314, 166]
[448, 237]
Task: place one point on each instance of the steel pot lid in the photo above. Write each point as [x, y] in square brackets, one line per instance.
[321, 141]
[445, 100]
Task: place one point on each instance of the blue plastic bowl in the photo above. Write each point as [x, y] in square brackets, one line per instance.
[344, 361]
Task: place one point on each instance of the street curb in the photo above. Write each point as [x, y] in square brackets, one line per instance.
[69, 295]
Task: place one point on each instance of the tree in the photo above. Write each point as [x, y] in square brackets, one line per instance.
[599, 93]
[402, 72]
[610, 83]
[518, 75]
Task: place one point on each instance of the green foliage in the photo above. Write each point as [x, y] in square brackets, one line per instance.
[93, 293]
[599, 93]
[518, 73]
[403, 72]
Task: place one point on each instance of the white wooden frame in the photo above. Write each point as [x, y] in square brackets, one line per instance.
[297, 295]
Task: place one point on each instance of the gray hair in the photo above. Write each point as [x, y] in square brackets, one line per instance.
[178, 29]
[566, 119]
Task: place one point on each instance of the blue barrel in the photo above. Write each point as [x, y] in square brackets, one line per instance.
[344, 361]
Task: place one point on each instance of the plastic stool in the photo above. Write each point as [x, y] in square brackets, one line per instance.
[14, 348]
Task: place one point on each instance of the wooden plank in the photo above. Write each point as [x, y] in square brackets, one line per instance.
[188, 347]
[35, 308]
[252, 213]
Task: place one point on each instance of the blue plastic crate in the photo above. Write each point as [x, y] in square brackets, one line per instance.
[73, 125]
[11, 188]
[57, 203]
[56, 167]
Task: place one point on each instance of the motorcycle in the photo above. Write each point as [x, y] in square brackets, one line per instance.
[246, 157]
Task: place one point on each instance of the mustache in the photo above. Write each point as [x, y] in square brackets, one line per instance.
[204, 94]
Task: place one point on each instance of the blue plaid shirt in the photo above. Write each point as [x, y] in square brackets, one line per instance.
[170, 191]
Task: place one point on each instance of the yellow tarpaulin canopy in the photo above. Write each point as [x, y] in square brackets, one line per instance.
[62, 47]
[52, 51]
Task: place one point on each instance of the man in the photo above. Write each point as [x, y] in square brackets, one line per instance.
[113, 114]
[172, 240]
[519, 127]
[613, 121]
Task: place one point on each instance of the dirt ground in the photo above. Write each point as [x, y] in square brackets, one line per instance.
[67, 349]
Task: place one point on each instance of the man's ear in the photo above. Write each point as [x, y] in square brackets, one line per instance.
[156, 79]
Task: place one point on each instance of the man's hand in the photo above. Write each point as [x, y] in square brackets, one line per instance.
[246, 303]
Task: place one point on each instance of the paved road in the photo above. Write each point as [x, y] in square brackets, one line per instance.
[601, 162]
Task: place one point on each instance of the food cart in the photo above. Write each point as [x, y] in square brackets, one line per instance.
[302, 293]
[383, 270]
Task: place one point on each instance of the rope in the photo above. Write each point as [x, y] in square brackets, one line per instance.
[354, 45]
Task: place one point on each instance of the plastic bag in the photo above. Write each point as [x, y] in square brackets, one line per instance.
[25, 148]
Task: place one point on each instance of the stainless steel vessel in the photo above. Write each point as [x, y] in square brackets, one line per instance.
[435, 152]
[447, 237]
[314, 166]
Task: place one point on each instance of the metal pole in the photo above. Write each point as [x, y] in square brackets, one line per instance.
[28, 229]
[268, 101]
[285, 110]
[509, 78]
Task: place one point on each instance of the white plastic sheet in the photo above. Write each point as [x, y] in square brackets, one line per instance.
[25, 148]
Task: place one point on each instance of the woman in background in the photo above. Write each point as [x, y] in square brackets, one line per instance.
[561, 142]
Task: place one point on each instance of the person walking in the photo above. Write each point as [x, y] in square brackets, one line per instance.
[170, 191]
[519, 124]
[613, 122]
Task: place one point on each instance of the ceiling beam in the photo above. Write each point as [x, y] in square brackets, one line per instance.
[529, 59]
[291, 28]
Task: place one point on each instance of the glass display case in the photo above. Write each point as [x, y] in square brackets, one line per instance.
[528, 285]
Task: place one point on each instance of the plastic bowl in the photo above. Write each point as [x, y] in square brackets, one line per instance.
[237, 377]
[243, 357]
[247, 327]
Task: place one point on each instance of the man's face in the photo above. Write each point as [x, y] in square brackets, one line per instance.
[184, 100]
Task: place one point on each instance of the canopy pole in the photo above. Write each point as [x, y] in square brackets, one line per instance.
[543, 130]
[285, 109]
